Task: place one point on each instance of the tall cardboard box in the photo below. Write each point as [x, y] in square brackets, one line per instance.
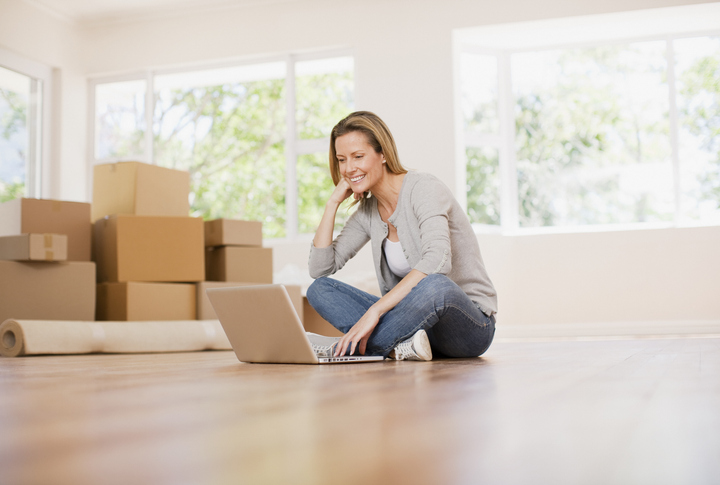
[230, 232]
[40, 216]
[139, 189]
[235, 263]
[47, 291]
[34, 247]
[145, 301]
[205, 311]
[148, 248]
[314, 323]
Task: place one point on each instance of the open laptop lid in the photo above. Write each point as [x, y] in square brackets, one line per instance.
[262, 325]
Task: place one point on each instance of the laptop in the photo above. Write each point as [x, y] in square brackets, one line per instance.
[263, 326]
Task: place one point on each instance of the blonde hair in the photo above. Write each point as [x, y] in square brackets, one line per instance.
[378, 137]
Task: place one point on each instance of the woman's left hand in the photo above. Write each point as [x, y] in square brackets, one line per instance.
[359, 334]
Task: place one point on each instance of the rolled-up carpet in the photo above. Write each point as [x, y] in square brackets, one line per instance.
[37, 337]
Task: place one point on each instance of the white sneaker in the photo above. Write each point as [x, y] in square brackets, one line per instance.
[416, 347]
[322, 346]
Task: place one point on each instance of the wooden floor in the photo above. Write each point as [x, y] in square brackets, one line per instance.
[635, 411]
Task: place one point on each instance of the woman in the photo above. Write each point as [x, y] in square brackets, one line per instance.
[437, 296]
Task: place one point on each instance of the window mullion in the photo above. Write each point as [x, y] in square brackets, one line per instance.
[509, 217]
[149, 113]
[291, 191]
[34, 157]
[674, 127]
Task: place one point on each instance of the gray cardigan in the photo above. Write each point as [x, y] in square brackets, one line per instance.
[435, 234]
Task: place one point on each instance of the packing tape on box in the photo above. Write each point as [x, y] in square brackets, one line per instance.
[56, 337]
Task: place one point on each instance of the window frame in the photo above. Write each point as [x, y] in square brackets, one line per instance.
[509, 207]
[294, 146]
[38, 179]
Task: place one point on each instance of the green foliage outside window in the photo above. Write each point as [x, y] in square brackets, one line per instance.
[13, 143]
[231, 138]
[584, 138]
[483, 185]
[700, 115]
[321, 101]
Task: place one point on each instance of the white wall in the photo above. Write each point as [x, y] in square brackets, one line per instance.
[654, 275]
[403, 52]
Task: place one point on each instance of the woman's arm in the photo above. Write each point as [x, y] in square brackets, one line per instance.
[327, 255]
[359, 334]
[324, 234]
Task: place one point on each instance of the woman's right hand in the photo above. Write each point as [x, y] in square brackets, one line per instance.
[342, 191]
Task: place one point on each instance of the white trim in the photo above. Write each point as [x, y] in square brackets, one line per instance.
[149, 117]
[609, 330]
[461, 136]
[609, 42]
[291, 185]
[90, 142]
[479, 140]
[34, 125]
[24, 66]
[509, 204]
[674, 126]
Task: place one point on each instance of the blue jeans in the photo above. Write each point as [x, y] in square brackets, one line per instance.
[454, 324]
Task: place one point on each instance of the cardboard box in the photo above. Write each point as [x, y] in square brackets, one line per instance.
[145, 301]
[43, 216]
[151, 249]
[229, 232]
[205, 310]
[34, 247]
[141, 189]
[314, 323]
[235, 263]
[47, 291]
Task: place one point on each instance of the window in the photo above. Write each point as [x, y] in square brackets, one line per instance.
[24, 117]
[254, 137]
[601, 132]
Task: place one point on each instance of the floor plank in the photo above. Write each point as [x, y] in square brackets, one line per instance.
[561, 412]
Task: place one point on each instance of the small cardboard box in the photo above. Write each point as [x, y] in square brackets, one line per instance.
[235, 263]
[145, 301]
[148, 248]
[41, 216]
[47, 291]
[205, 310]
[229, 232]
[34, 247]
[139, 189]
[314, 323]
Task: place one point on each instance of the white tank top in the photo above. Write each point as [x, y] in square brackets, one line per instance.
[396, 258]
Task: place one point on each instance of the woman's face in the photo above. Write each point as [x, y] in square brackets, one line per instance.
[359, 164]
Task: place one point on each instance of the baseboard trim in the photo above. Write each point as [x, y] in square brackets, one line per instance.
[609, 330]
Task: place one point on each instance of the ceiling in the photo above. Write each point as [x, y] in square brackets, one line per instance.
[93, 11]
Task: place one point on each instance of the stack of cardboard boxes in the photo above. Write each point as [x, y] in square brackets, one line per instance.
[149, 252]
[234, 256]
[45, 267]
[152, 258]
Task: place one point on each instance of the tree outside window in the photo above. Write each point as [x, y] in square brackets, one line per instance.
[14, 137]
